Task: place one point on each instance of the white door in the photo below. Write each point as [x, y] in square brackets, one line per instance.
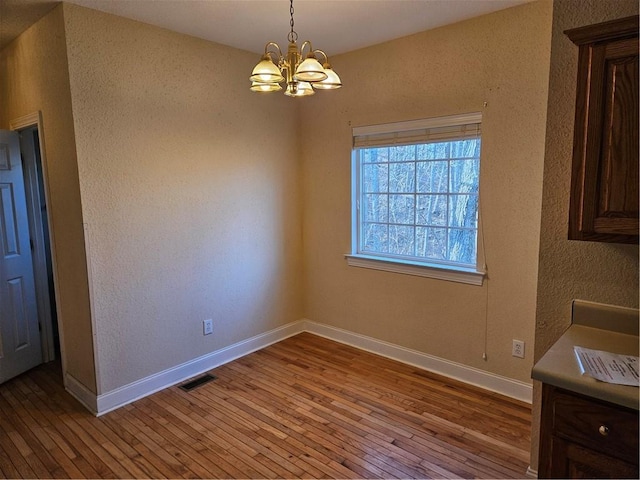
[20, 347]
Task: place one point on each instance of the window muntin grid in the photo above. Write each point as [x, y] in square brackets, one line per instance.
[419, 202]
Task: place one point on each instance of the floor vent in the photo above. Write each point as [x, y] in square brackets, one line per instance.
[206, 378]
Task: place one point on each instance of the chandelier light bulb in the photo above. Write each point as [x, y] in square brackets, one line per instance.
[265, 87]
[266, 72]
[310, 70]
[299, 89]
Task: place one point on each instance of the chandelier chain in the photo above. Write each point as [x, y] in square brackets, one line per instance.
[293, 36]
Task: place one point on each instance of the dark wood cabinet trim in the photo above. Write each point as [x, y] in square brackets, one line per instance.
[604, 32]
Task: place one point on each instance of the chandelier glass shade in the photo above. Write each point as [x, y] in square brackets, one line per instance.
[302, 76]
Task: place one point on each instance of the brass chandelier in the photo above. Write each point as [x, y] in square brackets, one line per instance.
[303, 77]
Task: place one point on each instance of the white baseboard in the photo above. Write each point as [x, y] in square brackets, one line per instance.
[474, 376]
[128, 393]
[531, 473]
[159, 381]
[81, 393]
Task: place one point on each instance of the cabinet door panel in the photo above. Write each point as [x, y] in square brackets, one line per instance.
[604, 179]
[618, 192]
[571, 460]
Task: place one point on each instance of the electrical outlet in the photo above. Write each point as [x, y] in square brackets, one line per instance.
[207, 327]
[517, 350]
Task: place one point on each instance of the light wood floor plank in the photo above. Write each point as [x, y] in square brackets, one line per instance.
[19, 462]
[200, 440]
[306, 407]
[60, 465]
[57, 432]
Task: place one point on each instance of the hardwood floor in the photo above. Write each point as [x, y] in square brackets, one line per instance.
[306, 407]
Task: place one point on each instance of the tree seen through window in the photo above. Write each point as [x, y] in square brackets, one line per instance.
[420, 201]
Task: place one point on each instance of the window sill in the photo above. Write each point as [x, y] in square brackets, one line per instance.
[440, 272]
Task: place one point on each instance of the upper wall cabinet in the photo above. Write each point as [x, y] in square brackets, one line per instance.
[604, 182]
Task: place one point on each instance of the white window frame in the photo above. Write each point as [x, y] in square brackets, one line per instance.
[442, 271]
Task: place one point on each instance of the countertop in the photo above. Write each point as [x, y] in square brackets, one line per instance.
[559, 366]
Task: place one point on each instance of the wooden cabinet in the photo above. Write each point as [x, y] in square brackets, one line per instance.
[604, 182]
[581, 437]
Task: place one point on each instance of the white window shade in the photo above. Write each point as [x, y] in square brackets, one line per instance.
[440, 129]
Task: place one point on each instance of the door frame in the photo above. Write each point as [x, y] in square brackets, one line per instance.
[40, 269]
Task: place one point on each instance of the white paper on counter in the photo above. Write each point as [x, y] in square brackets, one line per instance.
[608, 367]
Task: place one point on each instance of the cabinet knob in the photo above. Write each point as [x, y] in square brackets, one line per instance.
[604, 430]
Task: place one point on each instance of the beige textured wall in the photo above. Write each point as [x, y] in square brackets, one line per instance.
[190, 190]
[35, 77]
[600, 272]
[501, 59]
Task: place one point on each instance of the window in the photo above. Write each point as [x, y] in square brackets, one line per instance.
[415, 197]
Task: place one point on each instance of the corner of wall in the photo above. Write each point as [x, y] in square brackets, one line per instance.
[38, 80]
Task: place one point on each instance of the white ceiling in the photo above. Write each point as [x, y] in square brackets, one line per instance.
[335, 26]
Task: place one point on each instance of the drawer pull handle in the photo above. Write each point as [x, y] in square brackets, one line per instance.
[604, 430]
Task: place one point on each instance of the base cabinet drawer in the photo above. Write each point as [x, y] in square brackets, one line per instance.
[582, 437]
[612, 430]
